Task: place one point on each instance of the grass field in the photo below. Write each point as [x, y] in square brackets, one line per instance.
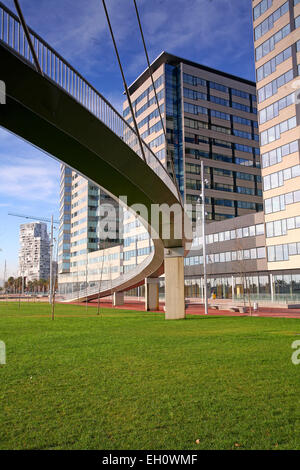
[131, 380]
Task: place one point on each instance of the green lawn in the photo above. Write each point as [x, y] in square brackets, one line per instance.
[131, 380]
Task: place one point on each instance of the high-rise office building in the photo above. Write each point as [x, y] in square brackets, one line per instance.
[277, 59]
[34, 253]
[81, 257]
[208, 115]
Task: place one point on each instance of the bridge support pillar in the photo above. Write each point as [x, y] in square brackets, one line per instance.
[151, 294]
[174, 284]
[118, 299]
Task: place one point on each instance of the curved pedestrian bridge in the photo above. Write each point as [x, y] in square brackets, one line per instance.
[62, 114]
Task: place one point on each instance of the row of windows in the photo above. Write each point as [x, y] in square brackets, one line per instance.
[245, 135]
[240, 204]
[196, 124]
[161, 154]
[157, 142]
[196, 185]
[79, 192]
[197, 95]
[279, 203]
[195, 81]
[219, 157]
[196, 139]
[149, 103]
[79, 222]
[275, 156]
[242, 94]
[150, 116]
[269, 44]
[275, 180]
[272, 88]
[139, 237]
[268, 23]
[280, 227]
[145, 93]
[228, 256]
[219, 171]
[283, 252]
[270, 67]
[261, 8]
[274, 133]
[245, 232]
[272, 111]
[140, 252]
[193, 94]
[195, 169]
[195, 109]
[243, 107]
[243, 121]
[155, 128]
[219, 87]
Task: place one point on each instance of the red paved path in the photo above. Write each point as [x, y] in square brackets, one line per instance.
[195, 309]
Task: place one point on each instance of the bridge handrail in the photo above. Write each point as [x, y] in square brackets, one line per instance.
[55, 67]
[106, 284]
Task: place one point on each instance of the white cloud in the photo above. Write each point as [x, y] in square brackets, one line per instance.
[25, 172]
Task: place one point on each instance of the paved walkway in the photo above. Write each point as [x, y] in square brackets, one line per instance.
[196, 309]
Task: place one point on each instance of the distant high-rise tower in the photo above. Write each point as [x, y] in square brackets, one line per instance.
[34, 254]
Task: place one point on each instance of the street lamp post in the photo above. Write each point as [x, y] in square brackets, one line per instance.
[51, 263]
[204, 238]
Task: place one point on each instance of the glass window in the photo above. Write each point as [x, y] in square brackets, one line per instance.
[292, 249]
[252, 231]
[270, 229]
[277, 228]
[268, 206]
[297, 196]
[279, 253]
[291, 223]
[260, 229]
[271, 253]
[289, 198]
[276, 204]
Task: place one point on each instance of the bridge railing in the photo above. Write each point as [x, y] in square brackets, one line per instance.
[55, 67]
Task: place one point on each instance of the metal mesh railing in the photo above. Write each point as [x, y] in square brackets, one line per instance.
[106, 285]
[55, 67]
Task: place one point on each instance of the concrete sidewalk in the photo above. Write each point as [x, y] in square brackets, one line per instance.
[197, 309]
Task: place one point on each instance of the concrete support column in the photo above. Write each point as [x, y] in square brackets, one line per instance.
[151, 294]
[174, 284]
[118, 299]
[272, 287]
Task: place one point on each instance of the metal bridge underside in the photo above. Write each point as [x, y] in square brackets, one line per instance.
[44, 114]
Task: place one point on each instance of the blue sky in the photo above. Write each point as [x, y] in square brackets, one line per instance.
[217, 33]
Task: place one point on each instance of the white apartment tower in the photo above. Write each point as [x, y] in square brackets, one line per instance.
[34, 254]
